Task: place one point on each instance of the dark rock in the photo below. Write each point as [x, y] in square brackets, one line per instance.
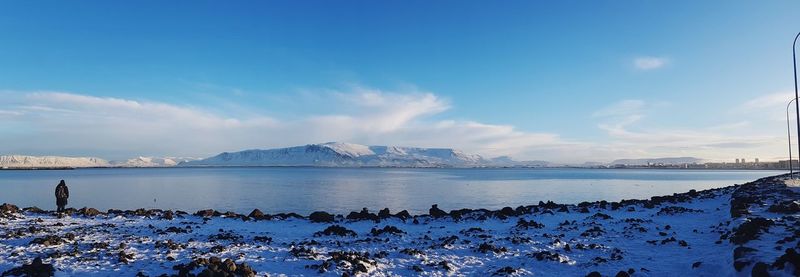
[741, 251]
[622, 274]
[35, 269]
[321, 217]
[205, 213]
[508, 212]
[336, 230]
[790, 256]
[123, 257]
[353, 262]
[750, 229]
[90, 212]
[256, 214]
[594, 273]
[387, 229]
[595, 231]
[760, 270]
[600, 216]
[384, 214]
[8, 208]
[214, 266]
[48, 240]
[486, 248]
[168, 215]
[363, 215]
[548, 256]
[412, 252]
[696, 264]
[505, 271]
[403, 215]
[524, 224]
[302, 252]
[435, 212]
[786, 207]
[673, 210]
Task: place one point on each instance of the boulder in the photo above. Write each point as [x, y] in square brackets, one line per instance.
[321, 217]
[90, 212]
[168, 215]
[435, 212]
[256, 214]
[363, 215]
[35, 269]
[403, 215]
[8, 208]
[750, 229]
[336, 230]
[205, 213]
[385, 213]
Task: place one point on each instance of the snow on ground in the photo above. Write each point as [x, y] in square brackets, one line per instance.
[690, 234]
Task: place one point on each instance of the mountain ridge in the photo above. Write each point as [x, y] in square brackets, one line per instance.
[340, 154]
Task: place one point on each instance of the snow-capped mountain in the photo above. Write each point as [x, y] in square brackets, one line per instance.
[151, 162]
[335, 154]
[20, 161]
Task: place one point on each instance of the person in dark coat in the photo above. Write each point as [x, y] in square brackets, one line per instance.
[62, 194]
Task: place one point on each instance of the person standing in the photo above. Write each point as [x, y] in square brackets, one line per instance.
[62, 194]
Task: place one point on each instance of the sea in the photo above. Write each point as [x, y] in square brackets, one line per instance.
[341, 190]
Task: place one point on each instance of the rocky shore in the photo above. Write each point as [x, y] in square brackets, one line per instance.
[737, 230]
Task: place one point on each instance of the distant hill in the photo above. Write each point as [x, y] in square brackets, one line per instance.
[150, 162]
[507, 161]
[340, 154]
[665, 161]
[21, 161]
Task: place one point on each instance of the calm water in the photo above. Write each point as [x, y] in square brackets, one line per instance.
[341, 190]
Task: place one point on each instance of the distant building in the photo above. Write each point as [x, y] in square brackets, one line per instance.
[756, 160]
[785, 164]
[743, 160]
[737, 161]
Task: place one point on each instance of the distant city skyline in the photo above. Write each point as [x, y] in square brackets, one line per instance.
[561, 82]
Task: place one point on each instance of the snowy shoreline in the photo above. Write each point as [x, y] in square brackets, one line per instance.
[735, 230]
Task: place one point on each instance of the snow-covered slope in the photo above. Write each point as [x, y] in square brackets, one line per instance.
[345, 154]
[19, 161]
[150, 162]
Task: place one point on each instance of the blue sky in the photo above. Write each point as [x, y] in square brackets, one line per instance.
[567, 81]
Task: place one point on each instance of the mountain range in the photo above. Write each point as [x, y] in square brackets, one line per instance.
[21, 161]
[339, 154]
[331, 154]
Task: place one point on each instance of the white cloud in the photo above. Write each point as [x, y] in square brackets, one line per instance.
[625, 126]
[650, 63]
[772, 100]
[119, 128]
[74, 124]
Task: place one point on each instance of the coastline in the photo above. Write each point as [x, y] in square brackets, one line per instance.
[692, 233]
[393, 167]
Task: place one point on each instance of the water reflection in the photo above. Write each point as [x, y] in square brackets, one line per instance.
[304, 190]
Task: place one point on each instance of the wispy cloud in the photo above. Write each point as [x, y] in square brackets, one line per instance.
[772, 100]
[625, 126]
[650, 63]
[103, 125]
[115, 128]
